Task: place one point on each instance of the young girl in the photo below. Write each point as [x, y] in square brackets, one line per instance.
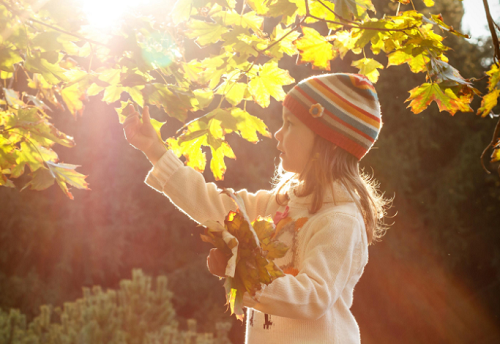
[324, 209]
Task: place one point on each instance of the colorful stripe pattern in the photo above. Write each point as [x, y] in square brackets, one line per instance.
[351, 118]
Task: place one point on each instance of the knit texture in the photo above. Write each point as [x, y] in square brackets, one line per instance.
[328, 252]
[341, 108]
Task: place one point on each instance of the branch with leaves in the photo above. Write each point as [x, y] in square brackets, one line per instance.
[147, 61]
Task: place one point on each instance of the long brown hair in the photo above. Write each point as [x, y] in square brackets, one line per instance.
[328, 164]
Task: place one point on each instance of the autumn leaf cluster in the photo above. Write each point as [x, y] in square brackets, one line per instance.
[251, 249]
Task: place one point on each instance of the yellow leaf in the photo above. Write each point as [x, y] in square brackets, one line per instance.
[205, 33]
[368, 67]
[488, 103]
[136, 94]
[112, 93]
[314, 48]
[269, 83]
[421, 97]
[72, 97]
[217, 164]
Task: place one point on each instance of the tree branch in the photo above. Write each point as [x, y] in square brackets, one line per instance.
[494, 37]
[496, 135]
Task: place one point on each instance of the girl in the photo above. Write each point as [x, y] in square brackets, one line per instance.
[324, 209]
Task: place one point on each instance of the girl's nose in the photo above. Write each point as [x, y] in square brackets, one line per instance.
[276, 134]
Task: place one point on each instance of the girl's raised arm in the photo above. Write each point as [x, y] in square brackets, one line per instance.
[185, 187]
[201, 201]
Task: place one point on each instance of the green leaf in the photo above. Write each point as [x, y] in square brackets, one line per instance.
[205, 33]
[8, 58]
[314, 48]
[269, 83]
[368, 67]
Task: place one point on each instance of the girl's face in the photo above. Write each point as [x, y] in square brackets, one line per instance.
[295, 141]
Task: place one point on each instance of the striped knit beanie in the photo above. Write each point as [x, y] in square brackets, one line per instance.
[341, 108]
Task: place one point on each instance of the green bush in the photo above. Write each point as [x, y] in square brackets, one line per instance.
[134, 314]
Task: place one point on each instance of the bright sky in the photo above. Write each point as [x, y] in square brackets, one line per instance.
[474, 20]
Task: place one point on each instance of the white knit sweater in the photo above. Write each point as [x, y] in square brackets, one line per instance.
[328, 253]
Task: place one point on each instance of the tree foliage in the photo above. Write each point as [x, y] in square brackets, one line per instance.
[240, 46]
[135, 313]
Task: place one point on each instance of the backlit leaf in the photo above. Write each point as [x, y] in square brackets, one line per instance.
[368, 67]
[314, 48]
[421, 97]
[73, 97]
[205, 33]
[65, 174]
[269, 82]
[488, 103]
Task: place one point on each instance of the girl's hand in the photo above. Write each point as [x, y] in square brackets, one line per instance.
[142, 135]
[217, 262]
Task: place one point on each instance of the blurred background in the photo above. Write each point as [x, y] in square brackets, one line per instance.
[434, 278]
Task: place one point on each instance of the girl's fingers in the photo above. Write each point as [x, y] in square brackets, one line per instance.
[145, 115]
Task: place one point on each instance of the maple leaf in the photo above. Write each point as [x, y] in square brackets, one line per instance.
[421, 97]
[494, 77]
[315, 48]
[269, 83]
[73, 97]
[205, 33]
[248, 20]
[368, 67]
[488, 103]
[285, 45]
[242, 122]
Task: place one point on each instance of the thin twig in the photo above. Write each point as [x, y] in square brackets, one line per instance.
[496, 135]
[337, 15]
[494, 36]
[283, 37]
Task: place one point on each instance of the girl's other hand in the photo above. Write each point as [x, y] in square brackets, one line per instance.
[141, 134]
[217, 262]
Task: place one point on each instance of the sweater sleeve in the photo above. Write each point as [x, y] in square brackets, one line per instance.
[201, 201]
[332, 255]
